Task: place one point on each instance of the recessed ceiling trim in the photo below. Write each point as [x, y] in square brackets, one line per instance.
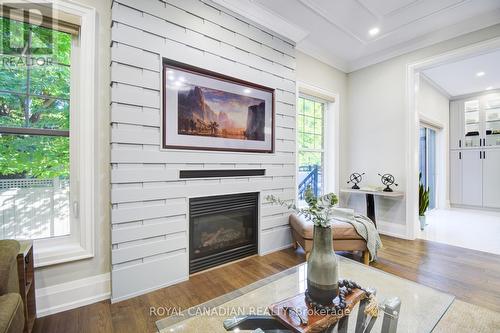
[266, 18]
[450, 32]
[422, 18]
[384, 33]
[365, 6]
[311, 5]
[400, 9]
[291, 30]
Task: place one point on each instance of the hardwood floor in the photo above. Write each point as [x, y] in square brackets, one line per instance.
[470, 275]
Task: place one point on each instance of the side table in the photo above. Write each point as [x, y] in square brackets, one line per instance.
[26, 274]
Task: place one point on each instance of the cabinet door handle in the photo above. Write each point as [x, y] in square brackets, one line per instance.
[484, 155]
[459, 155]
[459, 143]
[480, 155]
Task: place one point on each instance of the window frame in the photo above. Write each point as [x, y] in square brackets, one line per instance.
[322, 151]
[331, 144]
[80, 243]
[34, 131]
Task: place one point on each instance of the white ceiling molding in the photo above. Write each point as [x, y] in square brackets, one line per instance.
[365, 3]
[367, 8]
[323, 56]
[462, 28]
[270, 20]
[436, 86]
[319, 11]
[337, 32]
[419, 19]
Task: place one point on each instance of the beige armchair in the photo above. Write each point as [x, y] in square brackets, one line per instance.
[345, 237]
[11, 304]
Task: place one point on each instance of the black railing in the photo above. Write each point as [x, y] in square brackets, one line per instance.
[312, 180]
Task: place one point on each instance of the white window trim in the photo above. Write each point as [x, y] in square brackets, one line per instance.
[80, 243]
[331, 144]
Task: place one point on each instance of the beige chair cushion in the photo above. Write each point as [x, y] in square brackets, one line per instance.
[9, 282]
[341, 230]
[11, 313]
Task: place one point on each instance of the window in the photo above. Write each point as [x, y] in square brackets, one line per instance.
[427, 152]
[47, 135]
[310, 134]
[35, 135]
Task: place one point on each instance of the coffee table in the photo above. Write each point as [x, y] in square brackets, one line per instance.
[421, 307]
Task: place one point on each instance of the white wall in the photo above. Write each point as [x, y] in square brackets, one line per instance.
[49, 278]
[374, 128]
[318, 74]
[149, 217]
[433, 108]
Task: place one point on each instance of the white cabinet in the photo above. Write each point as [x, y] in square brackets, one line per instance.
[472, 124]
[491, 109]
[475, 151]
[456, 116]
[456, 177]
[472, 178]
[475, 122]
[491, 178]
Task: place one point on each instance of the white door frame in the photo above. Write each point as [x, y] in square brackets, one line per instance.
[413, 121]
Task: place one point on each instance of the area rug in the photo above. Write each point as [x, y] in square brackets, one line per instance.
[466, 317]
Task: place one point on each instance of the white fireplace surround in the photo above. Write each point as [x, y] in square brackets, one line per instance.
[150, 203]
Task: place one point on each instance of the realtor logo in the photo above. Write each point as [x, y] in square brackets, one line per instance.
[20, 25]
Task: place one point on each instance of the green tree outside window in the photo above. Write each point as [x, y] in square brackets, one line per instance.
[34, 94]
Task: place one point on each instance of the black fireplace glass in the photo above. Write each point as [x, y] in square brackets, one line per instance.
[222, 229]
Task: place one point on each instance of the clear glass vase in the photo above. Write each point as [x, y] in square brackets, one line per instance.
[322, 268]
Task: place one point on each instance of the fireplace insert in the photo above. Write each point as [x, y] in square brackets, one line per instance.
[222, 229]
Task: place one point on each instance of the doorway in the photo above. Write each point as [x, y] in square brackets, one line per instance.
[464, 196]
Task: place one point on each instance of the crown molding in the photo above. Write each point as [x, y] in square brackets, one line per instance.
[475, 94]
[436, 86]
[264, 17]
[323, 56]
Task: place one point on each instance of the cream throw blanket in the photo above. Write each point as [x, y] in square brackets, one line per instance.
[364, 227]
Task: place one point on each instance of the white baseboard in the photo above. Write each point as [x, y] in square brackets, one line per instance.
[392, 229]
[71, 295]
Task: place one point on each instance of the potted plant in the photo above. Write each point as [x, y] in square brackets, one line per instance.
[322, 266]
[423, 202]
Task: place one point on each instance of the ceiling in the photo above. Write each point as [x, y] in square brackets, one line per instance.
[460, 77]
[337, 31]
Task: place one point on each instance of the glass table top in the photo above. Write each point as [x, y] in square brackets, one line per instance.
[421, 307]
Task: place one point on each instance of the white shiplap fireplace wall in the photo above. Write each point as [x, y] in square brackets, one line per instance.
[150, 221]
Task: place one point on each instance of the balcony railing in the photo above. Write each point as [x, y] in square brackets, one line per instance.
[312, 180]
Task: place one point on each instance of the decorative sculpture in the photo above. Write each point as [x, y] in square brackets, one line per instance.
[387, 180]
[355, 178]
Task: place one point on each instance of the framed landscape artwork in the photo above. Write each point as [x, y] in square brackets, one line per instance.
[204, 110]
